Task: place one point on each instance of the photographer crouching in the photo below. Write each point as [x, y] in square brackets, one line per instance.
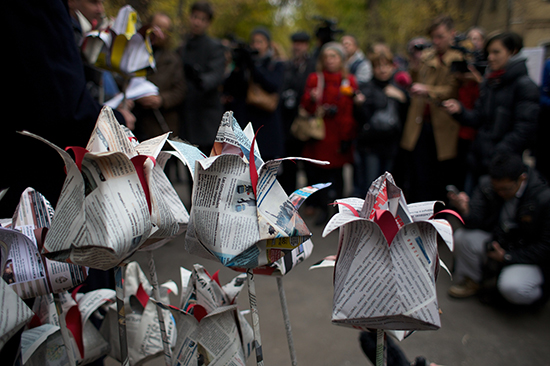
[507, 234]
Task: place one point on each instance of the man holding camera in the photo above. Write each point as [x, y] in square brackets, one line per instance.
[430, 134]
[507, 231]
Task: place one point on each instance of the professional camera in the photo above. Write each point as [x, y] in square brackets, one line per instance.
[327, 29]
[241, 52]
[471, 56]
[421, 46]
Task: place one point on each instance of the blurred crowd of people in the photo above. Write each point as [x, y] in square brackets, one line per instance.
[440, 118]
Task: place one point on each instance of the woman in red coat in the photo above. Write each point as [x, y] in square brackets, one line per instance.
[336, 99]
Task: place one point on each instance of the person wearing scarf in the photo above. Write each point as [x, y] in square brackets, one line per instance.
[337, 101]
[507, 110]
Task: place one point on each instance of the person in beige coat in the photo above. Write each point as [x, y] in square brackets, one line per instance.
[430, 134]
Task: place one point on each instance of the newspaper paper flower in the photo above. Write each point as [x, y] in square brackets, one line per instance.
[385, 273]
[123, 48]
[12, 304]
[24, 268]
[210, 327]
[85, 341]
[115, 199]
[142, 322]
[240, 214]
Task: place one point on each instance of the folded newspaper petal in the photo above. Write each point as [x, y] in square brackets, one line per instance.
[241, 223]
[138, 87]
[43, 345]
[14, 313]
[115, 199]
[84, 339]
[169, 216]
[123, 48]
[381, 283]
[142, 324]
[210, 327]
[24, 268]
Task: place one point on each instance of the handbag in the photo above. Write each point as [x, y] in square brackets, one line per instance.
[259, 98]
[383, 125]
[307, 126]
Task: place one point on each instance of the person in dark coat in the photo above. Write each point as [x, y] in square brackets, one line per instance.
[507, 109]
[507, 227]
[158, 114]
[380, 121]
[257, 64]
[297, 70]
[204, 64]
[48, 95]
[542, 151]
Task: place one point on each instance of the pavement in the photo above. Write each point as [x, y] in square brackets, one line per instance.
[471, 333]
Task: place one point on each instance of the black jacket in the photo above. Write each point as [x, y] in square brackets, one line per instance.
[529, 242]
[505, 115]
[369, 138]
[268, 73]
[204, 66]
[46, 94]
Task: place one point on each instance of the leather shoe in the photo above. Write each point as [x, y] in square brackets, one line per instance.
[464, 289]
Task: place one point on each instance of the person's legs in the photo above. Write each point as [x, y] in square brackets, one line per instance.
[373, 164]
[521, 284]
[359, 174]
[396, 357]
[469, 253]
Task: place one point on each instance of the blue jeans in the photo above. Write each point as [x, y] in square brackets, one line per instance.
[368, 166]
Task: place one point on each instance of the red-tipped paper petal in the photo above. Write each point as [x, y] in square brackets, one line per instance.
[142, 296]
[387, 224]
[79, 153]
[74, 324]
[252, 161]
[451, 212]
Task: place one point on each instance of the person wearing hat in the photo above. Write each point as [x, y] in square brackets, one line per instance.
[336, 100]
[297, 69]
[257, 64]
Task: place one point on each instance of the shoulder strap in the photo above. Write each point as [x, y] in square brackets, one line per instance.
[320, 86]
[354, 66]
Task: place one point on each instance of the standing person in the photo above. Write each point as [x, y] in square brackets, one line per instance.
[337, 100]
[507, 110]
[297, 69]
[430, 134]
[204, 64]
[256, 64]
[542, 153]
[158, 114]
[87, 15]
[57, 105]
[468, 93]
[507, 225]
[356, 62]
[380, 118]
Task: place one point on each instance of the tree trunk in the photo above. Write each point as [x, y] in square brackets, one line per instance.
[479, 10]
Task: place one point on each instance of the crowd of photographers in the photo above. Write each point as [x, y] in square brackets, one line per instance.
[452, 120]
